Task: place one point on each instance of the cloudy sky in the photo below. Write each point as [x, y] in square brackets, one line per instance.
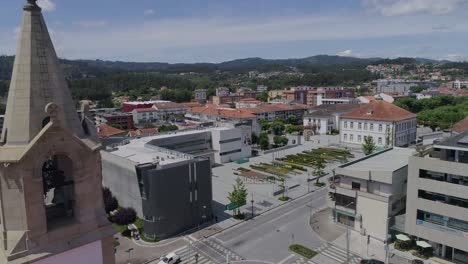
[219, 30]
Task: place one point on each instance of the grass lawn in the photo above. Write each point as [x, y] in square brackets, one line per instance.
[303, 251]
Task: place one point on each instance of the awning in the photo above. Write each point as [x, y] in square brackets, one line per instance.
[423, 244]
[403, 237]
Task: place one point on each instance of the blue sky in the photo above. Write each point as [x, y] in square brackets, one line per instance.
[220, 30]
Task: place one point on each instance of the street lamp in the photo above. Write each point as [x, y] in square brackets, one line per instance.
[347, 235]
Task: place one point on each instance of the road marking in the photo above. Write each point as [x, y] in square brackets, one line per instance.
[286, 259]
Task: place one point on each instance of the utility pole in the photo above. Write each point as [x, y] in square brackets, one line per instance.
[129, 251]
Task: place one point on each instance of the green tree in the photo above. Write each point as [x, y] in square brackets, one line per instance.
[280, 141]
[278, 127]
[368, 147]
[264, 141]
[254, 138]
[293, 120]
[418, 89]
[263, 97]
[238, 196]
[265, 125]
[422, 150]
[282, 183]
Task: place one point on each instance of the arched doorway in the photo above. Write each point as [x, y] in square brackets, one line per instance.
[59, 193]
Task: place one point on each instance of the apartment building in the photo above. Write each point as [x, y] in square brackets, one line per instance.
[119, 120]
[366, 193]
[161, 112]
[437, 204]
[323, 119]
[387, 124]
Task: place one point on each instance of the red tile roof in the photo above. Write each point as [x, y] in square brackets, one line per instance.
[143, 132]
[212, 110]
[461, 126]
[379, 111]
[144, 110]
[105, 131]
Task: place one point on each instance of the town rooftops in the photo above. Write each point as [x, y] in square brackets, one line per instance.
[211, 110]
[327, 110]
[379, 111]
[146, 102]
[390, 160]
[458, 142]
[461, 126]
[105, 131]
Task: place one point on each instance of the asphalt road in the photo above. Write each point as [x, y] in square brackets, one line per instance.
[267, 237]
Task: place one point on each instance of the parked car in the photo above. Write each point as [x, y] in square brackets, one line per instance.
[171, 258]
[417, 261]
[371, 261]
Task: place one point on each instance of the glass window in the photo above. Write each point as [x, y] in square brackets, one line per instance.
[351, 137]
[365, 126]
[359, 125]
[345, 124]
[359, 138]
[380, 141]
[380, 127]
[351, 125]
[356, 186]
[371, 127]
[345, 137]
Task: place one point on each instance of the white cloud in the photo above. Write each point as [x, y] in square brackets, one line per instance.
[47, 5]
[345, 53]
[408, 7]
[91, 24]
[148, 12]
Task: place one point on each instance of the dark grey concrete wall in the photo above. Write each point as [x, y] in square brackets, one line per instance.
[177, 197]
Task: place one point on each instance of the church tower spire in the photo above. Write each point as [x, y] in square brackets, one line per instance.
[51, 204]
[36, 81]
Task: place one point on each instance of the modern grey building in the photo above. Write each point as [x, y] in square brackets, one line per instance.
[437, 204]
[171, 191]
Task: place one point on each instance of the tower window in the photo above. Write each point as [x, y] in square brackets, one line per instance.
[59, 193]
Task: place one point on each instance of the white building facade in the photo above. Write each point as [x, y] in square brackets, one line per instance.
[386, 124]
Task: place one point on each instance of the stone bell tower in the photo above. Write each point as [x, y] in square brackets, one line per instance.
[51, 206]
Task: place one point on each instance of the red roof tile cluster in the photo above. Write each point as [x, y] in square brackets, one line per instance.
[212, 110]
[144, 110]
[267, 108]
[379, 111]
[461, 126]
[143, 132]
[105, 131]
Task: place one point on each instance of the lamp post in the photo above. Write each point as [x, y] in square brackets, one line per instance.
[347, 235]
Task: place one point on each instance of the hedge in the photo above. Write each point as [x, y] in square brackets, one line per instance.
[303, 251]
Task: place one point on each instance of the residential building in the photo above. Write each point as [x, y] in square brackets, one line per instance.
[387, 124]
[219, 116]
[459, 84]
[119, 120]
[248, 103]
[367, 193]
[271, 112]
[324, 119]
[222, 91]
[276, 94]
[200, 95]
[398, 86]
[130, 106]
[297, 96]
[50, 173]
[262, 88]
[161, 112]
[171, 191]
[333, 101]
[437, 204]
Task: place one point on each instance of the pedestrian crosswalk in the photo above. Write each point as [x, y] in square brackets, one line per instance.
[221, 249]
[188, 256]
[338, 254]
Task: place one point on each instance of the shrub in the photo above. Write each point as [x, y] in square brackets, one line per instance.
[284, 198]
[303, 251]
[110, 202]
[319, 184]
[124, 216]
[126, 233]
